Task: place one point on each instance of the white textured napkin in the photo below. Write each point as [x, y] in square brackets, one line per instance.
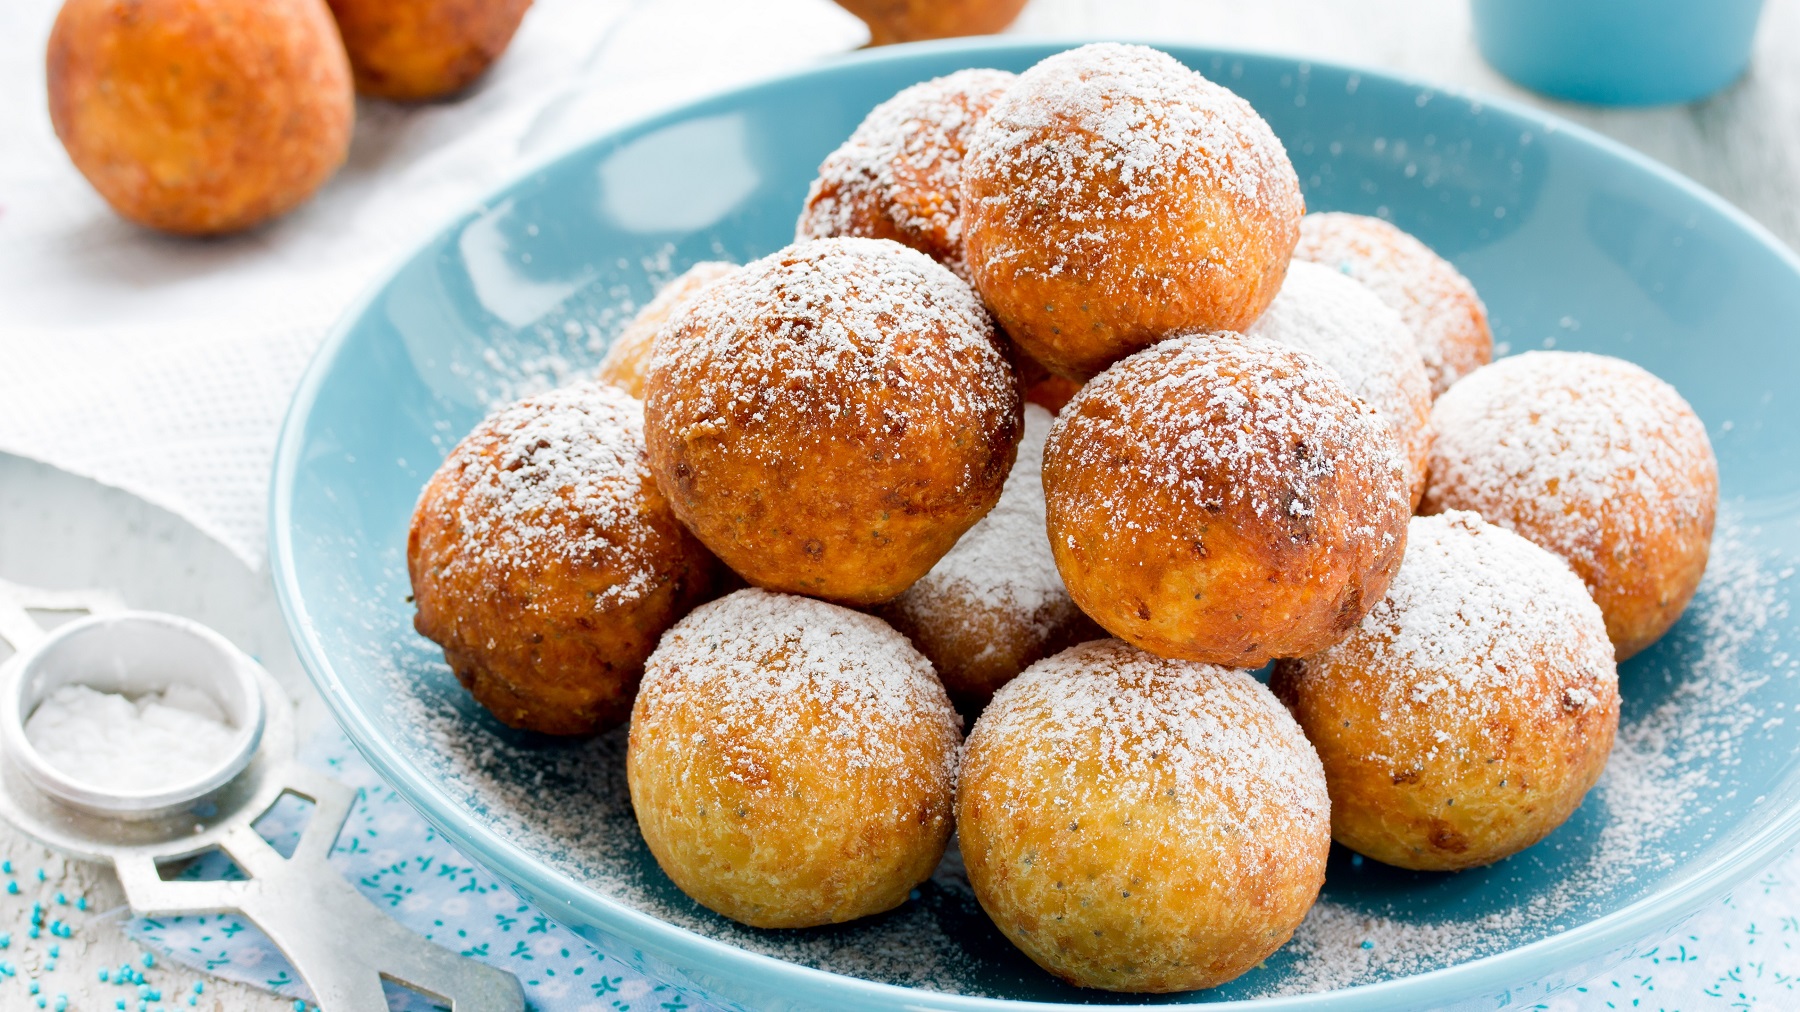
[164, 365]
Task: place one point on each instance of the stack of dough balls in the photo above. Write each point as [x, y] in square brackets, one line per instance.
[1060, 411]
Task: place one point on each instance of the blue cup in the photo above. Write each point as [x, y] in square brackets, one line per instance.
[1618, 52]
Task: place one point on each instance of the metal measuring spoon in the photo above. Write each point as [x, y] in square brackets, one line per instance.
[338, 941]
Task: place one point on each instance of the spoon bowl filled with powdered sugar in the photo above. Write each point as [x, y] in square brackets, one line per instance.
[131, 715]
[818, 430]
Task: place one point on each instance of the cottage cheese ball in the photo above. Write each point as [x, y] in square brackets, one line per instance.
[1440, 305]
[1471, 711]
[1595, 459]
[791, 762]
[1224, 499]
[546, 563]
[1342, 324]
[831, 418]
[1113, 197]
[1141, 824]
[627, 361]
[995, 604]
[898, 175]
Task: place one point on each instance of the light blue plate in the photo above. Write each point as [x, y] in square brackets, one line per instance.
[1572, 240]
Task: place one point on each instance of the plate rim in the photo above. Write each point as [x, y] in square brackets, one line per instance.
[694, 954]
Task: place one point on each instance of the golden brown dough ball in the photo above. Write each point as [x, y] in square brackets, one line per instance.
[418, 49]
[546, 563]
[898, 175]
[1041, 386]
[1224, 499]
[1595, 459]
[1430, 294]
[892, 21]
[1113, 197]
[831, 418]
[792, 763]
[1342, 324]
[1141, 824]
[200, 116]
[995, 604]
[1471, 711]
[627, 361]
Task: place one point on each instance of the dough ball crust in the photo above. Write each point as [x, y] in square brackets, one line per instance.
[1447, 317]
[1140, 824]
[200, 118]
[791, 762]
[831, 418]
[1224, 499]
[1113, 197]
[412, 50]
[995, 604]
[546, 563]
[1595, 459]
[1341, 323]
[899, 175]
[627, 361]
[1469, 714]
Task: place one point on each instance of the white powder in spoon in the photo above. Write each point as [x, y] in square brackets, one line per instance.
[116, 743]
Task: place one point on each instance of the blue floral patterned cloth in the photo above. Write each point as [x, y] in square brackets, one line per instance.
[1740, 953]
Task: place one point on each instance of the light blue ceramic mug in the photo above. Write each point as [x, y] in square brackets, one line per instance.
[1618, 52]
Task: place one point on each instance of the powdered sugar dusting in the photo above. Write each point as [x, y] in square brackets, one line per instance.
[1447, 317]
[1109, 719]
[763, 661]
[1197, 407]
[898, 175]
[1476, 617]
[814, 332]
[1585, 453]
[1650, 801]
[562, 474]
[1341, 323]
[1146, 124]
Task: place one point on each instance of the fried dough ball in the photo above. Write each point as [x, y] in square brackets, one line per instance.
[898, 175]
[831, 418]
[995, 604]
[1113, 197]
[627, 361]
[1469, 714]
[1595, 459]
[892, 21]
[1224, 499]
[792, 763]
[546, 563]
[1342, 324]
[1440, 305]
[200, 116]
[1141, 824]
[410, 50]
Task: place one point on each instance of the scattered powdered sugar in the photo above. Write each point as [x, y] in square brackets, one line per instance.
[563, 474]
[1225, 421]
[1652, 799]
[1105, 722]
[772, 666]
[1003, 563]
[1586, 453]
[1341, 323]
[566, 805]
[864, 334]
[1447, 317]
[898, 175]
[1475, 615]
